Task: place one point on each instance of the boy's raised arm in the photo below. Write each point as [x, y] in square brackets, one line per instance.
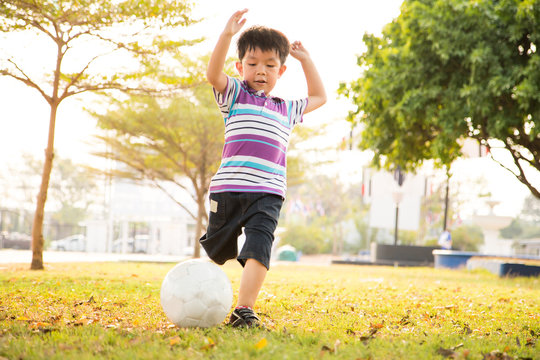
[316, 92]
[214, 72]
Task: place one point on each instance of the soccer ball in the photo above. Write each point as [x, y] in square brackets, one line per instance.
[196, 293]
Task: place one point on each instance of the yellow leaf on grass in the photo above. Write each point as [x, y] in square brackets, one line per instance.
[174, 340]
[261, 344]
[209, 343]
[42, 324]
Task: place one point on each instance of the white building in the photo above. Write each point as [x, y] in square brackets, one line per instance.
[142, 219]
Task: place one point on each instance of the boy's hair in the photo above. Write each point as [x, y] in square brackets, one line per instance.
[265, 39]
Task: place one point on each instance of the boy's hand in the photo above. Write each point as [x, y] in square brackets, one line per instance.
[214, 72]
[235, 23]
[316, 92]
[298, 51]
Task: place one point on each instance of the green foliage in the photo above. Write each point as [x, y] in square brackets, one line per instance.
[130, 30]
[446, 70]
[297, 165]
[531, 209]
[527, 225]
[467, 237]
[520, 229]
[309, 238]
[512, 231]
[309, 312]
[73, 188]
[366, 235]
[318, 213]
[407, 237]
[71, 192]
[91, 14]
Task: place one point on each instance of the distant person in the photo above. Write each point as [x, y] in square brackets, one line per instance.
[249, 188]
[445, 240]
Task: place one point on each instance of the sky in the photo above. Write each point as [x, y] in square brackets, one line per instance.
[331, 31]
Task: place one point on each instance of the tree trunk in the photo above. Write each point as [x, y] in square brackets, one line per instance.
[37, 227]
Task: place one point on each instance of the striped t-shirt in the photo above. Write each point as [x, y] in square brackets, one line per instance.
[257, 130]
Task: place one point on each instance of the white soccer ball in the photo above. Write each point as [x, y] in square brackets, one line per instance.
[196, 293]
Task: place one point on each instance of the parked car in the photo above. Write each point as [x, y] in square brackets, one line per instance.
[15, 240]
[137, 245]
[70, 243]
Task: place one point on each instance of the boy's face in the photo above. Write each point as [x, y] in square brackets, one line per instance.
[261, 69]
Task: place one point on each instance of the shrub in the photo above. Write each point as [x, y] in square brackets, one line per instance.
[467, 238]
[310, 239]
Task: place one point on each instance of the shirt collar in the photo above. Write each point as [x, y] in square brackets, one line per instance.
[260, 93]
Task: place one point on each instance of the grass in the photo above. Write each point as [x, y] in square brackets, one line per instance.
[112, 310]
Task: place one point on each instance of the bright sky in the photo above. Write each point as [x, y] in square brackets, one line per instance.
[331, 31]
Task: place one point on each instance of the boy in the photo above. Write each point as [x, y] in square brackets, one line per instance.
[249, 187]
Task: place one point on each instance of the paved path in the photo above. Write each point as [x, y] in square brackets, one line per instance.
[9, 256]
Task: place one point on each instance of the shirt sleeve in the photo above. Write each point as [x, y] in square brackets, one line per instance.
[296, 110]
[226, 100]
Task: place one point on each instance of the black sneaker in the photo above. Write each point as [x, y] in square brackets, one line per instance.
[244, 317]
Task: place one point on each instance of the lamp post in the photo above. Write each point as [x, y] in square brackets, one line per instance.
[399, 176]
[398, 196]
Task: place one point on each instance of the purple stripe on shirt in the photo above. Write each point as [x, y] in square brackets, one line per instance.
[236, 188]
[256, 149]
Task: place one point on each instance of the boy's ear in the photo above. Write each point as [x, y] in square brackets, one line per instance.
[239, 68]
[282, 70]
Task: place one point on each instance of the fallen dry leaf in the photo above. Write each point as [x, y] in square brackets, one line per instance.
[174, 340]
[261, 344]
[209, 343]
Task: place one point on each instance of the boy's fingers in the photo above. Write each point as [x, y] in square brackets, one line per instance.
[237, 16]
[240, 13]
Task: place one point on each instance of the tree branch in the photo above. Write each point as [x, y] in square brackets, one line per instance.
[74, 79]
[521, 176]
[159, 186]
[26, 80]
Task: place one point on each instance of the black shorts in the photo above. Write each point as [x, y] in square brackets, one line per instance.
[257, 213]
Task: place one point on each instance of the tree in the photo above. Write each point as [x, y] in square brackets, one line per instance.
[309, 238]
[446, 70]
[527, 225]
[467, 238]
[299, 150]
[102, 29]
[531, 209]
[71, 192]
[318, 213]
[167, 140]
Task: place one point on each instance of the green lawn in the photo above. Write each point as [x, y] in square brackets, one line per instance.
[112, 310]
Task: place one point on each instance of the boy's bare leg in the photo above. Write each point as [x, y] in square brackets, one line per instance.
[251, 282]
